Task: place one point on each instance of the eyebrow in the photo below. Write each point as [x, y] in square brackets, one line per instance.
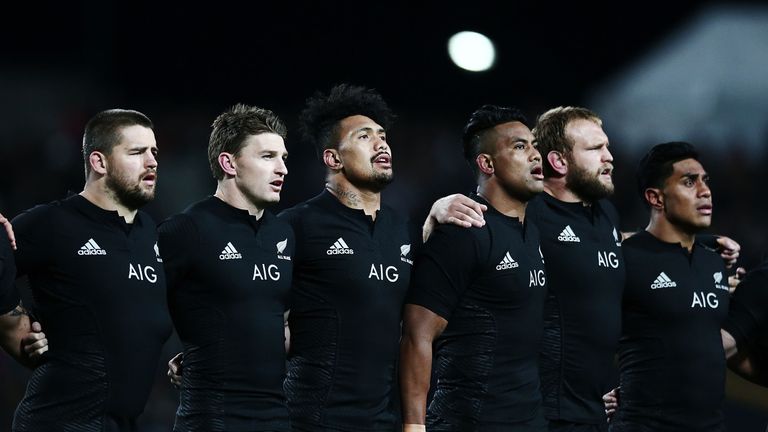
[694, 176]
[370, 129]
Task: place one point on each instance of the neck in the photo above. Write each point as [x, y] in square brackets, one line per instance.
[352, 196]
[664, 230]
[227, 191]
[501, 200]
[557, 187]
[101, 196]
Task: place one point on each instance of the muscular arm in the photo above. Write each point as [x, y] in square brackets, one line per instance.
[420, 328]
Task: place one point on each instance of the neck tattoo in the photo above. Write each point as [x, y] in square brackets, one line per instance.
[347, 197]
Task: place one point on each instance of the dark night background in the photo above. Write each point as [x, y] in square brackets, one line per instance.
[183, 64]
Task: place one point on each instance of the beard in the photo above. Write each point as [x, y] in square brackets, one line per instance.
[129, 194]
[381, 180]
[375, 181]
[586, 185]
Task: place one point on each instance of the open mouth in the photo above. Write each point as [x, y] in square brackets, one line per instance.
[277, 185]
[382, 159]
[537, 172]
[149, 179]
[705, 209]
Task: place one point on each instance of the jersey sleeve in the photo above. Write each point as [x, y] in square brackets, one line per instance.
[444, 269]
[178, 238]
[34, 232]
[748, 312]
[9, 294]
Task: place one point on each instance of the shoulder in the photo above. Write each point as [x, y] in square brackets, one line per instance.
[535, 205]
[179, 221]
[38, 216]
[460, 235]
[276, 223]
[147, 221]
[609, 209]
[297, 212]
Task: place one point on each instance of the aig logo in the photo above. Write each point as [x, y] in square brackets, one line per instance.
[389, 273]
[142, 273]
[701, 300]
[265, 272]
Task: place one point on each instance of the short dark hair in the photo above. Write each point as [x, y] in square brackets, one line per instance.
[550, 131]
[319, 120]
[232, 127]
[481, 121]
[103, 131]
[656, 166]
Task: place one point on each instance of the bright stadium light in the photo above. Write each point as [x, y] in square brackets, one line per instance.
[471, 51]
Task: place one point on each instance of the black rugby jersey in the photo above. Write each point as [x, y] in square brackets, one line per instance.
[582, 324]
[228, 281]
[99, 288]
[489, 284]
[9, 295]
[350, 277]
[671, 359]
[748, 315]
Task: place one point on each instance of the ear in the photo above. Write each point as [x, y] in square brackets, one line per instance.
[228, 164]
[558, 162]
[485, 163]
[98, 162]
[655, 198]
[332, 160]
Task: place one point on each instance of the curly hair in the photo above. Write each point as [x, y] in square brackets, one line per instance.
[319, 120]
[483, 119]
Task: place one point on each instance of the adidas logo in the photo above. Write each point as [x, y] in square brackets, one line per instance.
[568, 235]
[404, 251]
[507, 263]
[340, 248]
[280, 248]
[663, 281]
[91, 248]
[230, 252]
[616, 238]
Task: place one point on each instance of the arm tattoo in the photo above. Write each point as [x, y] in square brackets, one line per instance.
[19, 311]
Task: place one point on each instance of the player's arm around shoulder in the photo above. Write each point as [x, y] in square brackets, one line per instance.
[456, 209]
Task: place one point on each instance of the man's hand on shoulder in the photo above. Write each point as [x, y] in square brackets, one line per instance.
[456, 209]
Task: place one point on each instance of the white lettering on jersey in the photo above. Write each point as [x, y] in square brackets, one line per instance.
[703, 300]
[266, 272]
[142, 273]
[380, 273]
[607, 259]
[536, 278]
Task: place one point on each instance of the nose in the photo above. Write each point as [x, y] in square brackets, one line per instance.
[704, 190]
[380, 144]
[150, 161]
[535, 154]
[607, 156]
[282, 168]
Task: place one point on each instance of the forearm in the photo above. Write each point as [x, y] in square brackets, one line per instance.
[749, 367]
[13, 327]
[415, 372]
